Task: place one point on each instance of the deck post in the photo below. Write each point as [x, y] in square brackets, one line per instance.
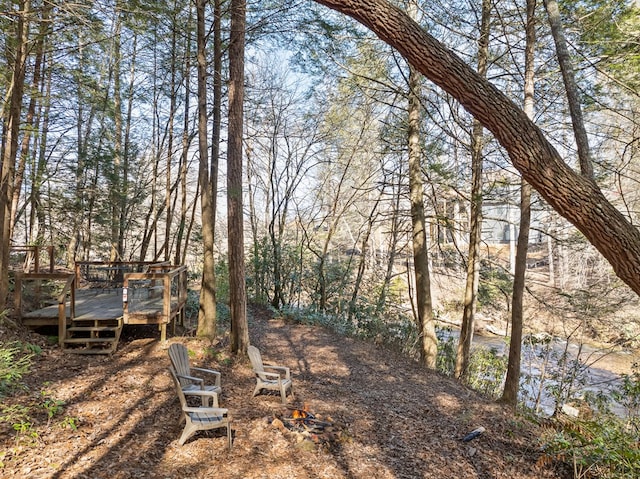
[62, 324]
[166, 305]
[17, 295]
[51, 251]
[70, 286]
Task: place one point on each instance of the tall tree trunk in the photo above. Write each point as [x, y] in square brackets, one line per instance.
[31, 119]
[9, 150]
[115, 192]
[207, 312]
[217, 103]
[185, 154]
[424, 306]
[571, 88]
[512, 381]
[473, 261]
[39, 217]
[237, 286]
[475, 235]
[171, 135]
[126, 151]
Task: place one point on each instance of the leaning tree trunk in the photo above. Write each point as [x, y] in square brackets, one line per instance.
[393, 238]
[362, 264]
[573, 196]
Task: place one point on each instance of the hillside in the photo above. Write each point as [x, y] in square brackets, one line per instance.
[391, 419]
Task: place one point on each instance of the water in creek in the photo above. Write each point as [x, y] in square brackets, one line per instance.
[545, 360]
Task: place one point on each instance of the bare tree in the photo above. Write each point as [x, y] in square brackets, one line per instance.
[281, 147]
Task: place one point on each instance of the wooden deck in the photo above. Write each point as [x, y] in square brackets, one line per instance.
[89, 316]
[91, 304]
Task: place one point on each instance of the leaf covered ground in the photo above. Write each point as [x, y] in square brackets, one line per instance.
[393, 418]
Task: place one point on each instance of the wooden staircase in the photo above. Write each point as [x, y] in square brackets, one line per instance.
[93, 336]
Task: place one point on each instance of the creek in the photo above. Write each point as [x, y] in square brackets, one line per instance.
[552, 368]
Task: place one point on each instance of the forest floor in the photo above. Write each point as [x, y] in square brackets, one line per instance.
[390, 418]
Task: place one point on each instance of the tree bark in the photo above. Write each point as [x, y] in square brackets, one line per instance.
[573, 196]
[364, 253]
[395, 231]
[424, 306]
[11, 129]
[126, 150]
[237, 285]
[207, 312]
[31, 119]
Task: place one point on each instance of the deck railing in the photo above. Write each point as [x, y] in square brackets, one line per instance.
[52, 296]
[155, 297]
[110, 273]
[152, 293]
[27, 258]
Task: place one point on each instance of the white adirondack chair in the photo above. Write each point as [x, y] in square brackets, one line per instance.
[188, 376]
[200, 418]
[270, 377]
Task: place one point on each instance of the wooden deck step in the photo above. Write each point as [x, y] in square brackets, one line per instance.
[96, 321]
[88, 340]
[89, 329]
[87, 351]
[93, 336]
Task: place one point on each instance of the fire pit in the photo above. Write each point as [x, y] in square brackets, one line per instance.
[307, 428]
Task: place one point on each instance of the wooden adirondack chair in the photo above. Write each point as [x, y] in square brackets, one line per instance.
[200, 418]
[270, 377]
[186, 374]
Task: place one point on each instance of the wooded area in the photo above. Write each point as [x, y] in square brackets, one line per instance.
[387, 169]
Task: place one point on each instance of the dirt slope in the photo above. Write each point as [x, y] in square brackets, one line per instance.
[392, 419]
